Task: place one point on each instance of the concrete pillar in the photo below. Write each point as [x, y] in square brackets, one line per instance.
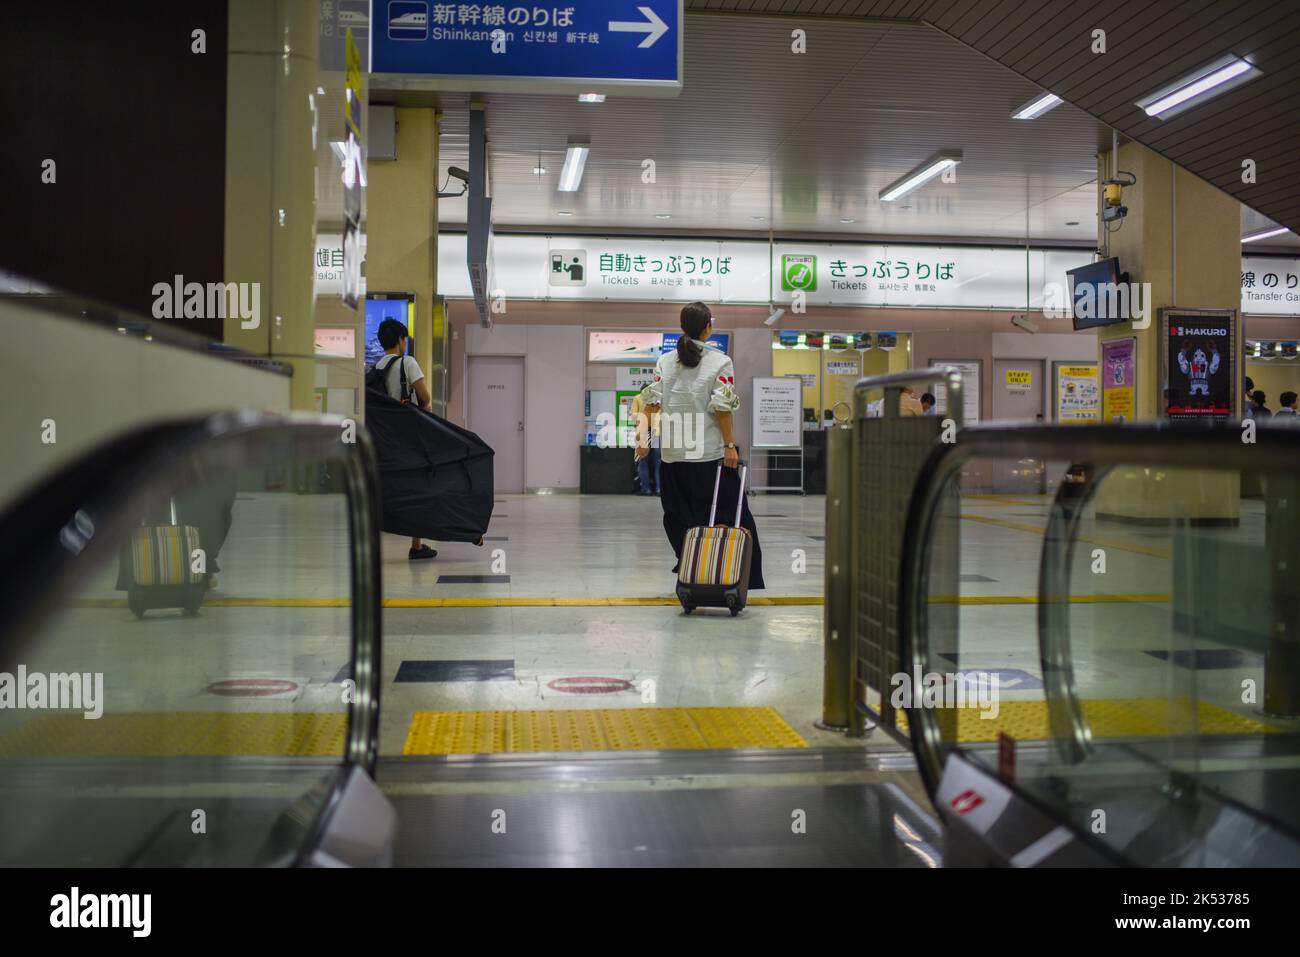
[402, 237]
[1182, 239]
[270, 226]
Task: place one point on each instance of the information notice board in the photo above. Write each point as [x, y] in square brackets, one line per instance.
[778, 413]
[970, 387]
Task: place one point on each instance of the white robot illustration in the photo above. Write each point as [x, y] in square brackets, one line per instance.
[1199, 369]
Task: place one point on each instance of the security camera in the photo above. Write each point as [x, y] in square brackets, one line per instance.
[775, 317]
[459, 173]
[1024, 323]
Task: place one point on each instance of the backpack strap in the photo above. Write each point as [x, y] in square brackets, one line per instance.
[405, 393]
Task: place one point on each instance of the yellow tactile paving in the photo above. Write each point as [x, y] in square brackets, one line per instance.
[1107, 717]
[610, 729]
[1100, 542]
[180, 733]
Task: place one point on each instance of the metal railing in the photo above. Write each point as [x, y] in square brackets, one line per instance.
[871, 470]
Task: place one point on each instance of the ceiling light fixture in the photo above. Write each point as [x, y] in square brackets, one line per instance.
[591, 97]
[927, 171]
[847, 221]
[1037, 106]
[563, 212]
[662, 216]
[1210, 80]
[1265, 234]
[575, 161]
[539, 170]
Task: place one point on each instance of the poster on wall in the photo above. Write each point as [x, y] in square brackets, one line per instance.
[353, 176]
[632, 347]
[843, 367]
[970, 384]
[778, 413]
[1078, 393]
[1118, 369]
[1199, 363]
[719, 340]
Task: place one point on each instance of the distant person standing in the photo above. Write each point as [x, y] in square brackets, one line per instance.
[1288, 411]
[647, 433]
[927, 403]
[394, 337]
[1260, 410]
[694, 391]
[1248, 405]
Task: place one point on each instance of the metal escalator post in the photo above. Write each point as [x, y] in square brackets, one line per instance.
[837, 621]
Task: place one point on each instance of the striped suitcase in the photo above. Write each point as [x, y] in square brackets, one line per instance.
[714, 569]
[157, 568]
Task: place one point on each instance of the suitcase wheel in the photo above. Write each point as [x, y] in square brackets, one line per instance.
[687, 609]
[135, 604]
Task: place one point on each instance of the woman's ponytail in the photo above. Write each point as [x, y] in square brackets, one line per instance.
[695, 319]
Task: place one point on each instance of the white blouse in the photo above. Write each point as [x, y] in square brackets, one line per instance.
[689, 400]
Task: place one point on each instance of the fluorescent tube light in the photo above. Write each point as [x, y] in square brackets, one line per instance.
[575, 161]
[591, 97]
[1036, 107]
[1253, 237]
[927, 171]
[1218, 77]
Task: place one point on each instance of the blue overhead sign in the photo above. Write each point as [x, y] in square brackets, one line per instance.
[542, 47]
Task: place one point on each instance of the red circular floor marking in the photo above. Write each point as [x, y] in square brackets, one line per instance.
[251, 687]
[589, 685]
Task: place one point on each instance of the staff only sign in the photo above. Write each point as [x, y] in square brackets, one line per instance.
[1199, 365]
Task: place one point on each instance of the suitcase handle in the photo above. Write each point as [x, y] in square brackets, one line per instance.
[740, 500]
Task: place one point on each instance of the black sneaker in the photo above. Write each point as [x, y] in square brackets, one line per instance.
[424, 551]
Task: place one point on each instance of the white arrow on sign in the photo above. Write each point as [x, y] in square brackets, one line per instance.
[653, 27]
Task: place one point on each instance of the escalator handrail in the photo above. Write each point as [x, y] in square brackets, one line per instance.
[44, 530]
[1159, 444]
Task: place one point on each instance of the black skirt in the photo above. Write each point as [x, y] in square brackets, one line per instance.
[686, 492]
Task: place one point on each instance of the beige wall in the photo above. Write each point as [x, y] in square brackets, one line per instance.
[96, 383]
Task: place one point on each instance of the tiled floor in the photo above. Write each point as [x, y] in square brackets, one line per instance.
[279, 611]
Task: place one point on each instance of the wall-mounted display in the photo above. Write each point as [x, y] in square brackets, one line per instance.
[1199, 363]
[631, 347]
[719, 340]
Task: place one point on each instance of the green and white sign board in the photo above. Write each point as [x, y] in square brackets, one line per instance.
[799, 272]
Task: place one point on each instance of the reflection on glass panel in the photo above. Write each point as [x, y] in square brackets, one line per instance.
[206, 641]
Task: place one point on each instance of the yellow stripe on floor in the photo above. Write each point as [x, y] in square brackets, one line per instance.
[1006, 499]
[1107, 718]
[1039, 529]
[620, 729]
[180, 734]
[783, 600]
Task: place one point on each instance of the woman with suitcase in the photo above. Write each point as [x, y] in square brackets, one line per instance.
[694, 392]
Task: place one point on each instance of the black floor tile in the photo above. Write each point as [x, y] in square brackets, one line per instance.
[473, 579]
[468, 670]
[1207, 659]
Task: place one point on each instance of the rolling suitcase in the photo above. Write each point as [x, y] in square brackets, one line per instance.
[156, 568]
[714, 569]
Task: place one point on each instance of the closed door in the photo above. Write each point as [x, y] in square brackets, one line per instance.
[1018, 391]
[496, 415]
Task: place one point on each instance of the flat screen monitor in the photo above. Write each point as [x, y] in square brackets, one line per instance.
[388, 305]
[1098, 294]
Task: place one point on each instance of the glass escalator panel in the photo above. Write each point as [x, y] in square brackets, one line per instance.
[182, 695]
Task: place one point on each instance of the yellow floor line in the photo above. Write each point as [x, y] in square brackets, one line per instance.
[1005, 500]
[597, 729]
[1039, 529]
[1106, 717]
[180, 733]
[785, 600]
[810, 600]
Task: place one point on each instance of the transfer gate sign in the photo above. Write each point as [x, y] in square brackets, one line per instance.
[554, 46]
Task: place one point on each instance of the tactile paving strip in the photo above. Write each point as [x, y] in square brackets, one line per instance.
[183, 733]
[1107, 717]
[605, 729]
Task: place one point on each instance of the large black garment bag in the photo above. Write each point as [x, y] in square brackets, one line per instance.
[436, 478]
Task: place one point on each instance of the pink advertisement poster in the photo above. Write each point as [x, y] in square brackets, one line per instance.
[1118, 368]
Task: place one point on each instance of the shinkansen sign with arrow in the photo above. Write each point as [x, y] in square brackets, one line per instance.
[555, 46]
